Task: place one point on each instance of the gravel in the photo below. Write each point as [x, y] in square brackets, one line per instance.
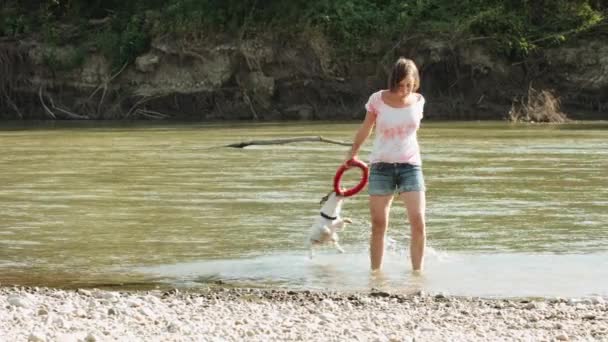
[221, 314]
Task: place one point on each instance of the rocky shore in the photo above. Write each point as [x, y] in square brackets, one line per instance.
[220, 314]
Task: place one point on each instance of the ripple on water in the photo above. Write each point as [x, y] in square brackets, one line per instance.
[20, 243]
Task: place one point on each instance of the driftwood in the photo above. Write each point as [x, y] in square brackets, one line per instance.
[141, 101]
[537, 106]
[47, 110]
[104, 86]
[14, 106]
[150, 114]
[65, 112]
[287, 141]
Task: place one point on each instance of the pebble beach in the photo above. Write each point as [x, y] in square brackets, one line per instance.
[223, 314]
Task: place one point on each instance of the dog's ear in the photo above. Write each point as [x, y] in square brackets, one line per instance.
[325, 198]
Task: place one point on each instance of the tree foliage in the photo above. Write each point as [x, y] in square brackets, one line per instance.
[516, 27]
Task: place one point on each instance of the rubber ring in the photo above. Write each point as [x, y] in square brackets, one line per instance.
[362, 183]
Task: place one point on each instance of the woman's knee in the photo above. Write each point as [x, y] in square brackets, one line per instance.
[417, 224]
[379, 225]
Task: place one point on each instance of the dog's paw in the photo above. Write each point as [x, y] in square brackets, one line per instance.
[347, 220]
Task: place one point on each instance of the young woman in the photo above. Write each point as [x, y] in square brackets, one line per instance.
[396, 166]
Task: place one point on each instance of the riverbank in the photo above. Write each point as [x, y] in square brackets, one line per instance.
[222, 61]
[44, 314]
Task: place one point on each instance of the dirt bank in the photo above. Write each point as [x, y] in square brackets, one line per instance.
[273, 77]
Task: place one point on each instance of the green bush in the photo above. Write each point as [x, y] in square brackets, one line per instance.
[13, 25]
[66, 60]
[123, 41]
[517, 27]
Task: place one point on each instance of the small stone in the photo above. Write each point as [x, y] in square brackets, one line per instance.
[562, 337]
[110, 296]
[327, 317]
[381, 294]
[173, 327]
[133, 303]
[573, 301]
[146, 312]
[60, 323]
[18, 301]
[427, 329]
[36, 337]
[84, 292]
[365, 300]
[170, 293]
[90, 338]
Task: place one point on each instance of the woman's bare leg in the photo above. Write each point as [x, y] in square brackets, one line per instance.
[415, 203]
[379, 207]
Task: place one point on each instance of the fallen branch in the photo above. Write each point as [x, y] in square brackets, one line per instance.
[248, 100]
[65, 112]
[140, 102]
[71, 115]
[46, 109]
[287, 141]
[150, 114]
[104, 86]
[537, 106]
[14, 106]
[106, 82]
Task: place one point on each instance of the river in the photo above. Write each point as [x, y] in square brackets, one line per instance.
[513, 210]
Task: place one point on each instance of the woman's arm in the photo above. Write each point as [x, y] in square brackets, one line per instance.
[364, 131]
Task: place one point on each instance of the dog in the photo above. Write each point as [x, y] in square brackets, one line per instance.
[328, 223]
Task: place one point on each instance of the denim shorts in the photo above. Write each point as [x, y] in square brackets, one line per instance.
[388, 178]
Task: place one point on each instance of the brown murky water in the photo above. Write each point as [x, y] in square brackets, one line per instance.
[154, 204]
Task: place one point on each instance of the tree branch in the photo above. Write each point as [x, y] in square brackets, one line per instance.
[287, 141]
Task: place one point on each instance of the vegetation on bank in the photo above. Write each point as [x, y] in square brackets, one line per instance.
[123, 29]
[358, 30]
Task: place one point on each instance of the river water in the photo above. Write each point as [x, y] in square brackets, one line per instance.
[513, 210]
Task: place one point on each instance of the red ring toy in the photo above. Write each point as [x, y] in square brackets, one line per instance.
[338, 178]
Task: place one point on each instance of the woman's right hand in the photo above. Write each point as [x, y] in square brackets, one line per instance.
[349, 156]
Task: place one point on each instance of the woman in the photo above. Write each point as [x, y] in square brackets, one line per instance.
[395, 159]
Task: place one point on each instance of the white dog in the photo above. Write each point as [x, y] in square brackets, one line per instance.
[328, 223]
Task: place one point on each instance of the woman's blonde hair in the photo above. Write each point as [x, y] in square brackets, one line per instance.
[403, 68]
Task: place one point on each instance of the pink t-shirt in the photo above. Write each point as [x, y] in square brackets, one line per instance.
[395, 134]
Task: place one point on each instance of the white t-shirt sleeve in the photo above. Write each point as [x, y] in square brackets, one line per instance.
[420, 108]
[372, 103]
